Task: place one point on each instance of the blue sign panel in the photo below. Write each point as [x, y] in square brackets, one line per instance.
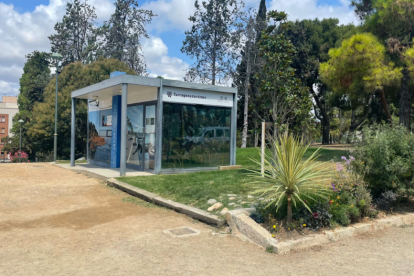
[116, 132]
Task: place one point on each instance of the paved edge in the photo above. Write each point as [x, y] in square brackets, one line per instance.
[178, 207]
[241, 224]
[244, 227]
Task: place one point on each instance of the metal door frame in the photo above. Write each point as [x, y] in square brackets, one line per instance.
[144, 113]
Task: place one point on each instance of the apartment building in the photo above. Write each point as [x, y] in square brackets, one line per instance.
[8, 109]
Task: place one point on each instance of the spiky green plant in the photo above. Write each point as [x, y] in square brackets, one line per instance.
[287, 175]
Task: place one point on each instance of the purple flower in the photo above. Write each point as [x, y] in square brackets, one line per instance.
[333, 186]
[351, 157]
[343, 158]
[348, 161]
[315, 215]
[339, 167]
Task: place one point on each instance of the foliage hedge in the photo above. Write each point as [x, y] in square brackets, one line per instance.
[386, 159]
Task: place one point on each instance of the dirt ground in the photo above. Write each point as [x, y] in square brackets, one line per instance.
[57, 222]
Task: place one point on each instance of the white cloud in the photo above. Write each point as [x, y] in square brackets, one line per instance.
[172, 14]
[158, 61]
[22, 33]
[310, 9]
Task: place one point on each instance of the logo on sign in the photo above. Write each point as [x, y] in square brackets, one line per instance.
[169, 94]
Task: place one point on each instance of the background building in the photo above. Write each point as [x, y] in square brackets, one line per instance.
[8, 108]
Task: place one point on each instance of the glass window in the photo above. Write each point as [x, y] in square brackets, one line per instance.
[195, 136]
[99, 142]
[3, 119]
[3, 130]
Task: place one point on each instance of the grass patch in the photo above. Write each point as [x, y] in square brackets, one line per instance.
[195, 189]
[68, 161]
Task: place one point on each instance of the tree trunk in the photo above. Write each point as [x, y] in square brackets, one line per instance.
[405, 100]
[289, 210]
[385, 106]
[325, 119]
[325, 133]
[246, 98]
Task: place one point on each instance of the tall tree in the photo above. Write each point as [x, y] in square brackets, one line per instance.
[393, 22]
[359, 67]
[254, 24]
[123, 32]
[213, 41]
[312, 40]
[363, 8]
[74, 76]
[36, 76]
[284, 98]
[76, 34]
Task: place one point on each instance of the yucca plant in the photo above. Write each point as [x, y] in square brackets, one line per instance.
[287, 175]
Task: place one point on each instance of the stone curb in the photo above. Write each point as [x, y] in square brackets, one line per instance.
[178, 207]
[241, 224]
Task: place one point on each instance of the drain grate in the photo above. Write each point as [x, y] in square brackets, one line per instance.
[182, 232]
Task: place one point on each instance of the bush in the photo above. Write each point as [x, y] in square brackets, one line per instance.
[386, 159]
[354, 214]
[257, 217]
[340, 215]
[15, 157]
[386, 201]
[319, 218]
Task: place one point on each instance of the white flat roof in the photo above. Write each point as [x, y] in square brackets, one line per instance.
[112, 86]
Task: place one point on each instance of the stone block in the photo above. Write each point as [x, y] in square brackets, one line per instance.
[362, 228]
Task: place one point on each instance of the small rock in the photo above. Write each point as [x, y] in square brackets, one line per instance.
[243, 202]
[231, 204]
[261, 198]
[250, 196]
[237, 205]
[232, 198]
[224, 211]
[231, 195]
[211, 201]
[216, 206]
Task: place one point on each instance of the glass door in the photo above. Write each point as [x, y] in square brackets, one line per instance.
[150, 136]
[135, 137]
[140, 146]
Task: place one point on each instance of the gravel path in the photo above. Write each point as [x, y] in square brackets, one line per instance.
[57, 222]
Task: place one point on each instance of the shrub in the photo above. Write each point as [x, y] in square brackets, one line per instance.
[320, 217]
[287, 176]
[386, 159]
[350, 194]
[15, 157]
[386, 201]
[354, 214]
[257, 217]
[340, 215]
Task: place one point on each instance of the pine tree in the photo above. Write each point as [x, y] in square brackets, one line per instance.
[122, 34]
[213, 41]
[76, 34]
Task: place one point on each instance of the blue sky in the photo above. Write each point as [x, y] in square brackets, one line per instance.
[25, 25]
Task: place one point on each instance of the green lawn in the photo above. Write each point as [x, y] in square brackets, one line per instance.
[196, 188]
[68, 161]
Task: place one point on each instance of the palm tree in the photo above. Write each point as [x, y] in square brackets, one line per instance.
[287, 175]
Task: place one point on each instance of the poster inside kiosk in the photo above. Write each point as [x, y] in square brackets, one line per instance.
[188, 96]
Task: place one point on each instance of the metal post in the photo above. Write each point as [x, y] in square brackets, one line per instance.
[263, 146]
[56, 113]
[72, 134]
[158, 131]
[233, 132]
[124, 102]
[87, 133]
[20, 144]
